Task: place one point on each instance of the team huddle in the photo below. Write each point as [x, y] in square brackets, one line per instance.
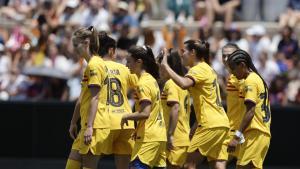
[157, 132]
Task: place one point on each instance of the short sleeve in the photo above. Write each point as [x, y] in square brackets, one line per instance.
[172, 93]
[95, 75]
[144, 93]
[132, 80]
[250, 90]
[196, 75]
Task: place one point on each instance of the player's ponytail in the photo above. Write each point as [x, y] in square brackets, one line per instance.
[146, 55]
[201, 48]
[91, 34]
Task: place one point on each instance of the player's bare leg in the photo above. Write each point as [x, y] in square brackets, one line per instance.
[90, 161]
[122, 161]
[192, 160]
[74, 160]
[170, 166]
[217, 164]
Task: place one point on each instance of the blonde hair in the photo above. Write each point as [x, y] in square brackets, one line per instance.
[91, 34]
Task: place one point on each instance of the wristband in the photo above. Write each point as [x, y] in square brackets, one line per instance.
[242, 139]
[240, 135]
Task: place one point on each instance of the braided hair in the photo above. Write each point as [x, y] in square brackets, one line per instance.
[241, 56]
[146, 55]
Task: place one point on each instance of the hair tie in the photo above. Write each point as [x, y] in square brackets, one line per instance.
[91, 28]
[144, 47]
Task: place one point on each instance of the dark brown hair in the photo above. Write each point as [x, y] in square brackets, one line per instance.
[201, 48]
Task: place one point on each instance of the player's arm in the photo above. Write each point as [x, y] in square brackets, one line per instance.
[182, 82]
[251, 93]
[250, 111]
[239, 137]
[143, 113]
[250, 103]
[94, 90]
[75, 118]
[173, 120]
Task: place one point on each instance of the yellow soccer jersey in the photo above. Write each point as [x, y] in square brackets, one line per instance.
[116, 84]
[173, 93]
[94, 75]
[206, 97]
[254, 91]
[153, 128]
[235, 103]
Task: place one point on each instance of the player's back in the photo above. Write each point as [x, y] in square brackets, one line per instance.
[118, 81]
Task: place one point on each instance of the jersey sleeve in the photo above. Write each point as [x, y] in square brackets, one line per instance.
[232, 83]
[196, 75]
[132, 80]
[251, 90]
[95, 74]
[144, 93]
[172, 93]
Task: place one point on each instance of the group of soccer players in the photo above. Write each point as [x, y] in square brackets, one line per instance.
[157, 133]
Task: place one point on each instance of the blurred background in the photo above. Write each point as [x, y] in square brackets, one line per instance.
[40, 74]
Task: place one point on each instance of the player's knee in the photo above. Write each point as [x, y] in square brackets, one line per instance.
[73, 164]
[90, 161]
[219, 164]
[189, 165]
[74, 155]
[122, 161]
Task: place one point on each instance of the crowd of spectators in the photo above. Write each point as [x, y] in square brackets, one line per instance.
[37, 34]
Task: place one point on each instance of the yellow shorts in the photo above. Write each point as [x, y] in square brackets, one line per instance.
[119, 142]
[177, 155]
[230, 136]
[152, 154]
[254, 149]
[97, 144]
[76, 143]
[210, 143]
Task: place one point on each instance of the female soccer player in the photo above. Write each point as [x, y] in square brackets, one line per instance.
[176, 108]
[213, 125]
[255, 125]
[94, 121]
[235, 102]
[115, 87]
[150, 137]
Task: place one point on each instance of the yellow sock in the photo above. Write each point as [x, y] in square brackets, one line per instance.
[73, 164]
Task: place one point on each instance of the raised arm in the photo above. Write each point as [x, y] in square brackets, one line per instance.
[182, 82]
[172, 123]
